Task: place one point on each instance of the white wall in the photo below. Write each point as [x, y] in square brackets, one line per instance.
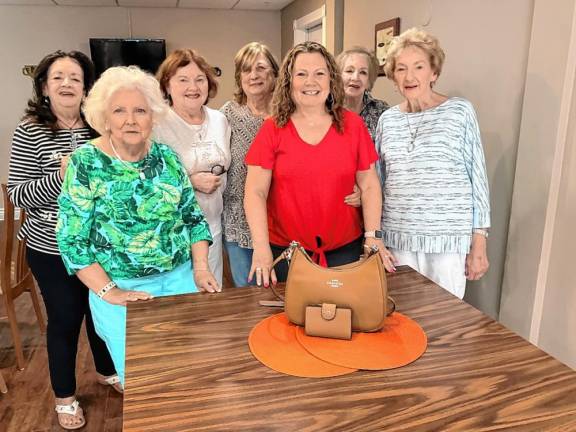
[538, 295]
[30, 32]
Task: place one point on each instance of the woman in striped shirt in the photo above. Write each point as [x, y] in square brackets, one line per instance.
[52, 128]
[436, 210]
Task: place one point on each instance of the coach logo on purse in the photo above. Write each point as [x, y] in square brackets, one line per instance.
[334, 283]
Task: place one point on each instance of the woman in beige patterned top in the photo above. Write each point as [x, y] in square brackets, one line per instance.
[256, 71]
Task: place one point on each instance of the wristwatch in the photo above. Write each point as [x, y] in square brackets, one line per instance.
[481, 231]
[374, 234]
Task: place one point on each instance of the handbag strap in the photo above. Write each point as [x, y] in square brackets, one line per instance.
[287, 255]
[391, 311]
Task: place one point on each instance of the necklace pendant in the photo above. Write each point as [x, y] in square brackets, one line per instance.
[142, 175]
[411, 147]
[73, 141]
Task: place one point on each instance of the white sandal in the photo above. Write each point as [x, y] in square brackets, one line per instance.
[113, 381]
[71, 410]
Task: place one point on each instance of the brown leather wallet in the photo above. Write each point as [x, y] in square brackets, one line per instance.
[329, 321]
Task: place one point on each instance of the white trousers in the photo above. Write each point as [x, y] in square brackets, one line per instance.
[445, 269]
[215, 259]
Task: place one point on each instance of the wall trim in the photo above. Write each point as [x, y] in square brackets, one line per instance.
[555, 181]
[301, 25]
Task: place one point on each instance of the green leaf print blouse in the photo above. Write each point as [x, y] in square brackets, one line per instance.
[131, 227]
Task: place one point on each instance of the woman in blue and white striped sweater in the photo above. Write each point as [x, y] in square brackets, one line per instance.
[436, 210]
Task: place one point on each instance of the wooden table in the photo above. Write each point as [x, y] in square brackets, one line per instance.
[189, 368]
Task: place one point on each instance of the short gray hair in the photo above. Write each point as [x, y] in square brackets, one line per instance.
[122, 78]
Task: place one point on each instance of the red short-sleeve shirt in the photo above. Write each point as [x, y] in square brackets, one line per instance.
[309, 182]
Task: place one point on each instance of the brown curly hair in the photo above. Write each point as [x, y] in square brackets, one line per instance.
[244, 60]
[282, 104]
[181, 58]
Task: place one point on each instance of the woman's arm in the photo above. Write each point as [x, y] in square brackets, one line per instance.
[255, 196]
[354, 199]
[203, 277]
[95, 278]
[200, 236]
[372, 212]
[28, 185]
[477, 260]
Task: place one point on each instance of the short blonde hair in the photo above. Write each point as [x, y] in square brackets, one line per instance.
[122, 78]
[244, 60]
[416, 38]
[372, 62]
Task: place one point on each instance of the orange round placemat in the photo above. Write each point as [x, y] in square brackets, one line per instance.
[273, 342]
[400, 342]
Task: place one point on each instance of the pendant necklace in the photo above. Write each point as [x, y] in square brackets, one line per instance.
[413, 135]
[201, 130]
[127, 165]
[73, 139]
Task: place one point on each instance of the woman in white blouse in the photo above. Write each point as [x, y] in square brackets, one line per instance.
[200, 136]
[436, 211]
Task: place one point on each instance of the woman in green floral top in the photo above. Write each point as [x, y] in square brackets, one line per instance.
[128, 220]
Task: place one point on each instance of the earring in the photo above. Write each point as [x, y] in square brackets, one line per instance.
[46, 100]
[330, 101]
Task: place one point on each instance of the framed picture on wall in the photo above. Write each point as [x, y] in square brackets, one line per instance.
[383, 34]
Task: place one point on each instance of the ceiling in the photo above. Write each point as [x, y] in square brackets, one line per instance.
[192, 4]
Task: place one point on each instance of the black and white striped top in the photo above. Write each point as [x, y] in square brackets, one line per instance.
[34, 181]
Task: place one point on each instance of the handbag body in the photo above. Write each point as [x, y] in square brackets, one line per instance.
[360, 287]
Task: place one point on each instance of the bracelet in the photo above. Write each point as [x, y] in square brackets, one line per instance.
[481, 231]
[106, 288]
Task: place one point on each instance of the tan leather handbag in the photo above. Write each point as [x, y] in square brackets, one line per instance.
[360, 287]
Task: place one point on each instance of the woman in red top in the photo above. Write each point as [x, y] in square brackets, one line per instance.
[304, 161]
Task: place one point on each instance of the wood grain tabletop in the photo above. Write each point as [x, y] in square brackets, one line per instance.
[189, 368]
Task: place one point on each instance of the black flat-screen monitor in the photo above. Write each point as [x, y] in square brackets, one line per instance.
[147, 54]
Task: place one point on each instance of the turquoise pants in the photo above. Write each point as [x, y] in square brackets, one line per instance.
[110, 320]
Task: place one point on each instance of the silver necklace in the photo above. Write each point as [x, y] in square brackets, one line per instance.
[201, 130]
[73, 137]
[127, 165]
[413, 135]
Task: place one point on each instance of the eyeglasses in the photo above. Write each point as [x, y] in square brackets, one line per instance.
[217, 170]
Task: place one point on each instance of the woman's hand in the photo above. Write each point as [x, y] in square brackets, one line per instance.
[477, 260]
[205, 281]
[205, 182]
[262, 267]
[388, 259]
[118, 296]
[354, 199]
[63, 165]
